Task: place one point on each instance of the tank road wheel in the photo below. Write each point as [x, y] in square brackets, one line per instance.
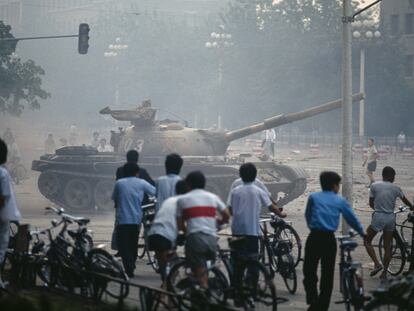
[78, 194]
[49, 184]
[102, 195]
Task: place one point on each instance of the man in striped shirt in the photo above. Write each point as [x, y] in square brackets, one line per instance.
[197, 213]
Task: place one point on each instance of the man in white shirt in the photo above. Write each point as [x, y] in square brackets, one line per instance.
[269, 139]
[8, 206]
[371, 161]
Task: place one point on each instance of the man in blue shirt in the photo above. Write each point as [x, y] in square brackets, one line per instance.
[127, 195]
[322, 215]
[166, 184]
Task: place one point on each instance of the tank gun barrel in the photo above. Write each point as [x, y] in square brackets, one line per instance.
[287, 118]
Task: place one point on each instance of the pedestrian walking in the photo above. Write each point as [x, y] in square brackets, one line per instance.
[382, 198]
[132, 156]
[322, 214]
[166, 184]
[8, 206]
[163, 233]
[196, 217]
[127, 195]
[371, 161]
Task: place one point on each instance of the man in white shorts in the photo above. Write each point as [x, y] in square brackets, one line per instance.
[382, 198]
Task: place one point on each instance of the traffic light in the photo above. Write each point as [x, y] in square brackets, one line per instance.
[83, 40]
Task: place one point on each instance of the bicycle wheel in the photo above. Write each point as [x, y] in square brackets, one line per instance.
[101, 261]
[356, 290]
[180, 282]
[254, 287]
[289, 233]
[406, 230]
[152, 260]
[217, 286]
[288, 272]
[398, 255]
[141, 242]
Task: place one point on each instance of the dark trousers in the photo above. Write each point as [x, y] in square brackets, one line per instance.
[127, 242]
[248, 246]
[320, 246]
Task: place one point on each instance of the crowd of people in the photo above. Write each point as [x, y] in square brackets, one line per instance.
[186, 211]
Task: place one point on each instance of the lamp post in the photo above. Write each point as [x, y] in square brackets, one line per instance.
[219, 41]
[114, 50]
[365, 31]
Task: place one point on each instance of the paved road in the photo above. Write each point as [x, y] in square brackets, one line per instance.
[32, 204]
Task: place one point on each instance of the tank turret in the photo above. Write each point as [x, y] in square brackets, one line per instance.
[82, 178]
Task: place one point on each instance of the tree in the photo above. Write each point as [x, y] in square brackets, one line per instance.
[20, 81]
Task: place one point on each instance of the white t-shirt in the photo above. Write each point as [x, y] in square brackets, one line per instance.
[246, 203]
[9, 212]
[198, 208]
[371, 154]
[385, 195]
[165, 221]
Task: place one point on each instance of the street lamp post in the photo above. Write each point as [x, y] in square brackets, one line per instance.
[364, 31]
[113, 52]
[219, 41]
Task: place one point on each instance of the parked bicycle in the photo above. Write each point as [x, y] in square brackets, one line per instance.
[350, 273]
[276, 250]
[401, 251]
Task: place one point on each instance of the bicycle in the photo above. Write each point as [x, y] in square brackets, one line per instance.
[400, 250]
[397, 294]
[350, 273]
[147, 219]
[251, 286]
[276, 252]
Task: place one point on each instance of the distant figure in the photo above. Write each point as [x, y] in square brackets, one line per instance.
[95, 140]
[116, 138]
[402, 141]
[73, 135]
[166, 184]
[103, 146]
[8, 206]
[127, 195]
[50, 146]
[268, 142]
[63, 142]
[371, 159]
[14, 151]
[322, 214]
[8, 136]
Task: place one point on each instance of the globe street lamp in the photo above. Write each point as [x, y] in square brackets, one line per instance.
[114, 50]
[219, 42]
[365, 31]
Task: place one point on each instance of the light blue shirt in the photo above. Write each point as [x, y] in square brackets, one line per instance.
[323, 211]
[165, 188]
[128, 194]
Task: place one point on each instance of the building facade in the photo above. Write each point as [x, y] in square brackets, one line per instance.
[397, 19]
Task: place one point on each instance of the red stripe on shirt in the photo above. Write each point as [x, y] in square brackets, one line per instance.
[199, 211]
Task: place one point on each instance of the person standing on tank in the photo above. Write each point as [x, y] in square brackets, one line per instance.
[371, 161]
[166, 184]
[127, 196]
[132, 156]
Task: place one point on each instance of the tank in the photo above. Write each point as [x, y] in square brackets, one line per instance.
[81, 178]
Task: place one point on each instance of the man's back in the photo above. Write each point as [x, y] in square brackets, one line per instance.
[246, 202]
[385, 195]
[198, 208]
[128, 194]
[166, 187]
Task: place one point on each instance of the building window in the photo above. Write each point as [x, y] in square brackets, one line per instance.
[409, 24]
[409, 66]
[395, 22]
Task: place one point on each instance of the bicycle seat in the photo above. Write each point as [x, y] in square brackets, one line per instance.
[80, 220]
[349, 245]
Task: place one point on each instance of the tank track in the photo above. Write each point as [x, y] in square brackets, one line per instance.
[298, 176]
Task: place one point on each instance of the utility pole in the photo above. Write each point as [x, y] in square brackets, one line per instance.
[362, 90]
[346, 106]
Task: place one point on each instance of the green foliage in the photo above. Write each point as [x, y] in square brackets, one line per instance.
[20, 81]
